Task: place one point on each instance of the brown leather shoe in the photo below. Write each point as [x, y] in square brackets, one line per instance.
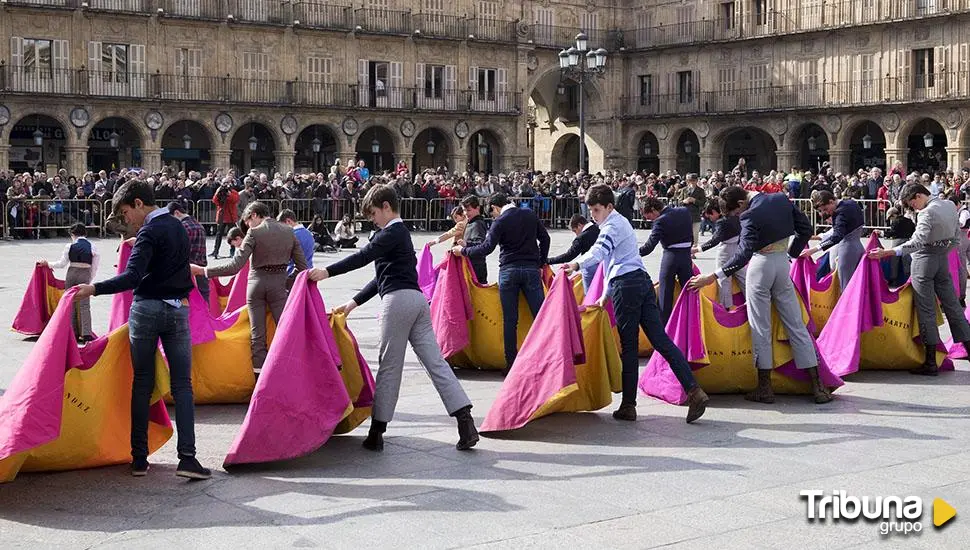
[627, 411]
[819, 391]
[696, 403]
[763, 393]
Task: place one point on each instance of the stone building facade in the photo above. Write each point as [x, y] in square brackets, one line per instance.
[298, 85]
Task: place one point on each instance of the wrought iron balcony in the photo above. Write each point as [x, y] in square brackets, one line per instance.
[439, 26]
[322, 15]
[823, 95]
[383, 21]
[249, 91]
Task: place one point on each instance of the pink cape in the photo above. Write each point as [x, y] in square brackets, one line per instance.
[31, 408]
[300, 397]
[858, 311]
[546, 363]
[596, 290]
[427, 274]
[684, 328]
[34, 313]
[451, 307]
[234, 290]
[121, 302]
[803, 274]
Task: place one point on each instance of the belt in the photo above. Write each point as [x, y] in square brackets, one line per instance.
[80, 265]
[679, 246]
[279, 268]
[777, 246]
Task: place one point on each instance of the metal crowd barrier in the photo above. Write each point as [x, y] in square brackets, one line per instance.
[48, 218]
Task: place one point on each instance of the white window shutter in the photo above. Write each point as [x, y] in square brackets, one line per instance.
[363, 82]
[501, 85]
[473, 78]
[94, 56]
[137, 69]
[180, 55]
[419, 76]
[16, 51]
[61, 64]
[902, 75]
[396, 78]
[451, 85]
[195, 62]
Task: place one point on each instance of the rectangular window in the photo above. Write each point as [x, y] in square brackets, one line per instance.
[685, 86]
[923, 67]
[727, 16]
[646, 89]
[758, 78]
[545, 20]
[644, 28]
[255, 66]
[486, 84]
[487, 9]
[761, 12]
[114, 62]
[434, 81]
[318, 69]
[379, 74]
[685, 21]
[37, 58]
[725, 81]
[188, 62]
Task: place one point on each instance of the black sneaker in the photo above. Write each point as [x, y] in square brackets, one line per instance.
[139, 467]
[189, 467]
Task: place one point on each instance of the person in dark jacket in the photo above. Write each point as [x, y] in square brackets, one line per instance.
[767, 223]
[847, 222]
[727, 230]
[901, 228]
[673, 229]
[625, 200]
[524, 250]
[586, 234]
[475, 233]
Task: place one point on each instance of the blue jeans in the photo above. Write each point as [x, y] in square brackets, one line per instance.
[512, 280]
[151, 321]
[635, 305]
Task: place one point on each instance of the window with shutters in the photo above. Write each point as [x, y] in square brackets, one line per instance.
[685, 21]
[758, 78]
[486, 84]
[726, 78]
[188, 62]
[728, 22]
[255, 66]
[761, 12]
[685, 86]
[435, 10]
[923, 68]
[318, 69]
[545, 20]
[646, 89]
[589, 22]
[488, 22]
[434, 81]
[37, 58]
[114, 62]
[380, 74]
[644, 28]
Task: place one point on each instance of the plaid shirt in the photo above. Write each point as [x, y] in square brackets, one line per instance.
[197, 254]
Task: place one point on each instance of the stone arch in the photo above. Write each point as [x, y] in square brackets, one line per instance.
[852, 138]
[383, 159]
[755, 144]
[910, 124]
[332, 127]
[850, 124]
[565, 153]
[444, 147]
[305, 158]
[131, 139]
[137, 125]
[669, 145]
[500, 134]
[443, 129]
[647, 151]
[16, 117]
[811, 143]
[389, 125]
[207, 124]
[919, 157]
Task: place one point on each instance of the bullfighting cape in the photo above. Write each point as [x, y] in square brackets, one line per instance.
[569, 362]
[70, 408]
[300, 396]
[427, 272]
[717, 344]
[121, 302]
[819, 293]
[228, 297]
[873, 326]
[467, 317]
[44, 291]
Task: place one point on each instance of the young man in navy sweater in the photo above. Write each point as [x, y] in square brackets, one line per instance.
[524, 246]
[158, 272]
[405, 317]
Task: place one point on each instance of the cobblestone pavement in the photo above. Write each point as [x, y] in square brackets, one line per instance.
[570, 480]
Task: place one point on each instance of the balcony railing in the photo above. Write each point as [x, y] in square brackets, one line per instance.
[235, 90]
[383, 21]
[439, 26]
[320, 15]
[195, 9]
[936, 87]
[496, 30]
[260, 11]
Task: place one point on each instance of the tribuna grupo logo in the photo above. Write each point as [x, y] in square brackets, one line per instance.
[895, 515]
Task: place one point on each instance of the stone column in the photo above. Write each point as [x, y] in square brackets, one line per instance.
[786, 159]
[456, 163]
[955, 157]
[711, 160]
[839, 160]
[284, 161]
[4, 157]
[77, 159]
[151, 159]
[515, 162]
[892, 155]
[668, 162]
[345, 157]
[219, 158]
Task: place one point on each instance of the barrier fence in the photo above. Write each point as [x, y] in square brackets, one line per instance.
[36, 218]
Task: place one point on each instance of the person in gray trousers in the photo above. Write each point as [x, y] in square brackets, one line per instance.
[937, 228]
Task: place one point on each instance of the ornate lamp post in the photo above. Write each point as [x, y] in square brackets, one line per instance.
[582, 65]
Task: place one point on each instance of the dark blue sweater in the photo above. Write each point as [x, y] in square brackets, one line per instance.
[392, 252]
[847, 218]
[159, 264]
[673, 226]
[523, 239]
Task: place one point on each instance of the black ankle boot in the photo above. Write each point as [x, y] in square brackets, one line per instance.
[763, 393]
[375, 437]
[928, 368]
[467, 432]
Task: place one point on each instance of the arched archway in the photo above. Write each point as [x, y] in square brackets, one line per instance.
[648, 153]
[430, 149]
[756, 146]
[375, 146]
[253, 146]
[565, 154]
[483, 151]
[113, 143]
[812, 144]
[688, 153]
[186, 145]
[927, 143]
[316, 149]
[867, 146]
[37, 143]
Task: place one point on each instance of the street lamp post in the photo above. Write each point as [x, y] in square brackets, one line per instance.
[580, 64]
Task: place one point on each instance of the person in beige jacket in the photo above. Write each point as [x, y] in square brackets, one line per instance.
[268, 246]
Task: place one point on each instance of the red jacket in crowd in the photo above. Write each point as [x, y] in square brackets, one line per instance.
[228, 212]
